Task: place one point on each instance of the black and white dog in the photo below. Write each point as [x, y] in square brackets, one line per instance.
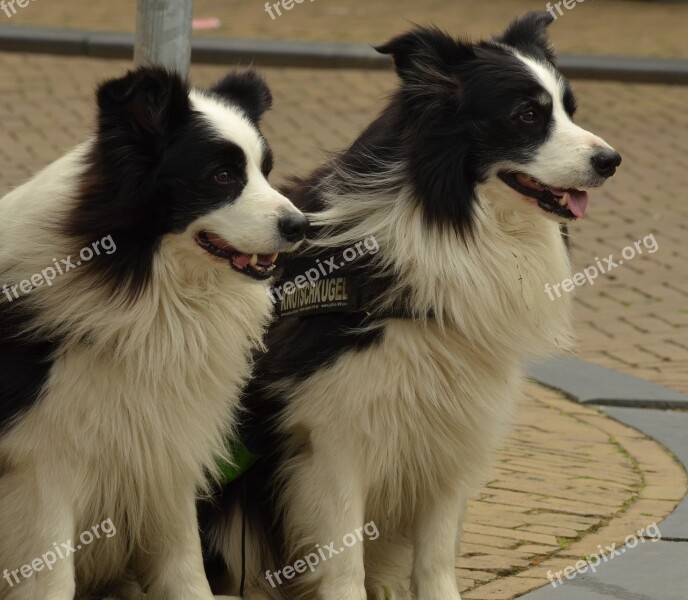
[134, 274]
[389, 411]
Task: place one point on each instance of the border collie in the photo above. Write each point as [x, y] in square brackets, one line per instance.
[135, 289]
[389, 411]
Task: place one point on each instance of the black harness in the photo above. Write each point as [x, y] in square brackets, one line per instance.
[308, 286]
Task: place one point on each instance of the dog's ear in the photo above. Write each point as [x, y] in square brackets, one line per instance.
[248, 90]
[529, 34]
[427, 55]
[148, 101]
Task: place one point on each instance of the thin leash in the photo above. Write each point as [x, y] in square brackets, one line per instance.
[243, 538]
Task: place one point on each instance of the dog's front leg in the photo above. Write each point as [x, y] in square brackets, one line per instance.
[176, 571]
[326, 505]
[36, 536]
[463, 509]
[436, 526]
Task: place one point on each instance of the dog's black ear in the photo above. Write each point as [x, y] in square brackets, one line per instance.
[529, 34]
[427, 55]
[148, 101]
[248, 90]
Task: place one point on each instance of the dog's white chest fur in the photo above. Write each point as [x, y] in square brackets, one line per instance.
[422, 411]
[122, 429]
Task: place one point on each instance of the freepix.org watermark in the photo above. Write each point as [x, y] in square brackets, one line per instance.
[324, 268]
[556, 11]
[593, 561]
[601, 267]
[322, 554]
[59, 552]
[9, 7]
[285, 4]
[64, 265]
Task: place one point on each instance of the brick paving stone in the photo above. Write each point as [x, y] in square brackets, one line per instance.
[503, 562]
[556, 531]
[493, 541]
[536, 550]
[481, 549]
[503, 589]
[514, 534]
[477, 576]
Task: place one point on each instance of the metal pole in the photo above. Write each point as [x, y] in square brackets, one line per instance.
[163, 34]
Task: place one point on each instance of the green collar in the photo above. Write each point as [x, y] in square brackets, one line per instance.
[243, 459]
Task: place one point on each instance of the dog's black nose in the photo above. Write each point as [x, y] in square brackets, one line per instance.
[293, 227]
[605, 161]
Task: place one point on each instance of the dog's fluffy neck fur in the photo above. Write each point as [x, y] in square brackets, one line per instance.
[508, 255]
[111, 322]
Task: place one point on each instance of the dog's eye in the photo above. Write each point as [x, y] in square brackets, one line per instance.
[529, 117]
[223, 177]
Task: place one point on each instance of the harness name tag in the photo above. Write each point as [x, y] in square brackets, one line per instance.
[333, 294]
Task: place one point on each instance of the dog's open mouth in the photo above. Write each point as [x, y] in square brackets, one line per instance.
[258, 266]
[567, 203]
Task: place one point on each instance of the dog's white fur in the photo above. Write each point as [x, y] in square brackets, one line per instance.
[403, 431]
[142, 395]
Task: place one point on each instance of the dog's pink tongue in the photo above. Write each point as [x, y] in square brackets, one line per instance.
[578, 202]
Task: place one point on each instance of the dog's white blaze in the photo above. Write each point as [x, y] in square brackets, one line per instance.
[250, 222]
[564, 160]
[230, 124]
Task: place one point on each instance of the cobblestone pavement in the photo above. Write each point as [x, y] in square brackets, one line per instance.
[632, 27]
[568, 478]
[634, 319]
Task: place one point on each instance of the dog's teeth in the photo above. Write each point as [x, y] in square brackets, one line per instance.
[254, 260]
[562, 201]
[273, 257]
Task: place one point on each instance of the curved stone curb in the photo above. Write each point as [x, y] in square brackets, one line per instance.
[649, 571]
[558, 476]
[329, 55]
[655, 564]
[653, 570]
[671, 429]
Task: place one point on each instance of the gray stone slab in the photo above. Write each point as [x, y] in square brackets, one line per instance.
[288, 53]
[624, 68]
[42, 40]
[671, 429]
[330, 55]
[592, 384]
[675, 526]
[650, 571]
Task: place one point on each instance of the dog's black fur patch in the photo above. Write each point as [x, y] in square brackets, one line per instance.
[26, 363]
[150, 171]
